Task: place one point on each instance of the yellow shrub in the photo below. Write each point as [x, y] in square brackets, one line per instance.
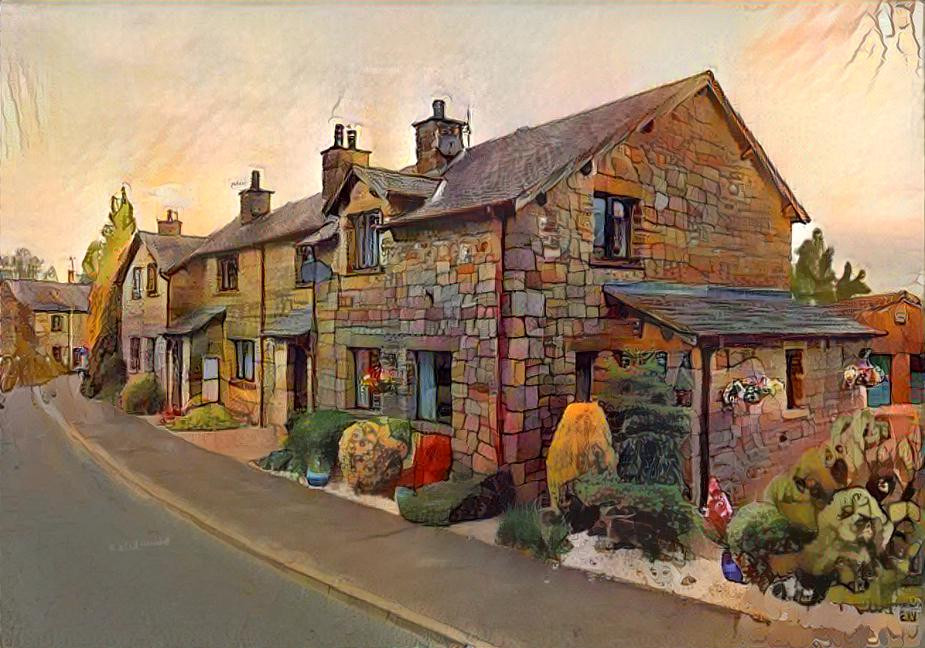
[370, 457]
[580, 445]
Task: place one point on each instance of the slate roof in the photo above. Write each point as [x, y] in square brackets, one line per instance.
[168, 250]
[384, 181]
[295, 218]
[194, 320]
[716, 311]
[864, 303]
[296, 322]
[51, 295]
[518, 166]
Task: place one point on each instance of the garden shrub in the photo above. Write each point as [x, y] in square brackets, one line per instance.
[432, 504]
[143, 395]
[370, 457]
[313, 439]
[111, 378]
[207, 417]
[522, 527]
[757, 532]
[652, 517]
[580, 444]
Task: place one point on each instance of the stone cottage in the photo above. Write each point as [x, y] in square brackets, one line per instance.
[480, 290]
[144, 282]
[901, 352]
[56, 313]
[489, 283]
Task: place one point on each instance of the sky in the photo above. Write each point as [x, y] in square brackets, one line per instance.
[180, 100]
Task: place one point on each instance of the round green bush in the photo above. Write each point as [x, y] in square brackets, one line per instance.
[143, 396]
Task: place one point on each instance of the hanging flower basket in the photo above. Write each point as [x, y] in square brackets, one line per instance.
[378, 381]
[751, 390]
[863, 375]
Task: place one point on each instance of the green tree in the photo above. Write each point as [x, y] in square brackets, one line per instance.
[100, 264]
[813, 279]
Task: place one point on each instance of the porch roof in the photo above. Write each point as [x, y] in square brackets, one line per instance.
[194, 320]
[296, 322]
[733, 314]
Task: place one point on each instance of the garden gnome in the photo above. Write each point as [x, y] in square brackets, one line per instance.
[719, 509]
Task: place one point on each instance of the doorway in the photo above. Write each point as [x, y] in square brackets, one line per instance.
[175, 353]
[297, 378]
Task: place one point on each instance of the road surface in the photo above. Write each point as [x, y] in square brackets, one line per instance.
[84, 561]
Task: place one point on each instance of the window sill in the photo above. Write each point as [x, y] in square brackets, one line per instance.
[228, 291]
[432, 427]
[241, 383]
[362, 413]
[301, 286]
[624, 264]
[365, 271]
[795, 413]
[153, 294]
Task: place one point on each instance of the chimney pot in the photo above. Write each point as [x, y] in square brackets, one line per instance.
[351, 138]
[255, 179]
[439, 108]
[339, 135]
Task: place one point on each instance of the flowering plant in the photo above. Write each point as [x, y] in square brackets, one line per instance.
[863, 375]
[378, 381]
[751, 390]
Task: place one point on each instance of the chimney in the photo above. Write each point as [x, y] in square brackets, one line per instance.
[171, 225]
[438, 139]
[337, 160]
[255, 201]
[71, 276]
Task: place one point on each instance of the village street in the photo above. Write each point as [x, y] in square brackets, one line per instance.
[86, 562]
[157, 580]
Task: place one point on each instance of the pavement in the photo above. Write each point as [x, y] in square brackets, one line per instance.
[427, 579]
[87, 562]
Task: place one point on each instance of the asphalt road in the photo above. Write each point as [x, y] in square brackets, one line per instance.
[84, 561]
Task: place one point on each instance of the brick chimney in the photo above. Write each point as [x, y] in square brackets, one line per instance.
[255, 201]
[438, 139]
[337, 160]
[171, 224]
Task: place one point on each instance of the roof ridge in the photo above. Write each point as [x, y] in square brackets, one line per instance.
[187, 236]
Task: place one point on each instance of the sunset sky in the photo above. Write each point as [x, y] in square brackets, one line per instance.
[180, 101]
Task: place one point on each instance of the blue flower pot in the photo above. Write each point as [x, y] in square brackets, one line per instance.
[730, 569]
[317, 479]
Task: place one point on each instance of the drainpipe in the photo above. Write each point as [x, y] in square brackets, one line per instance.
[313, 333]
[500, 336]
[706, 363]
[263, 313]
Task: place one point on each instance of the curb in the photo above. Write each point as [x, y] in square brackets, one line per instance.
[329, 584]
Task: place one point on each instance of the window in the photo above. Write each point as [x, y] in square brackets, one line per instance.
[228, 272]
[880, 395]
[76, 353]
[136, 283]
[304, 256]
[244, 360]
[57, 323]
[149, 354]
[56, 353]
[435, 386]
[366, 241]
[365, 363]
[917, 379]
[584, 375]
[152, 279]
[795, 398]
[134, 354]
[613, 217]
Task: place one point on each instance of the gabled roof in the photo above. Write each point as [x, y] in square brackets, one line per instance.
[296, 218]
[857, 305]
[51, 295]
[195, 320]
[382, 182]
[517, 167]
[732, 313]
[167, 250]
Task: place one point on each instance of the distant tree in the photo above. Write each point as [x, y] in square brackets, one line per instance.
[813, 279]
[50, 275]
[100, 265]
[22, 264]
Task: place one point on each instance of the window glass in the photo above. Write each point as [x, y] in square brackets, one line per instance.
[228, 273]
[366, 371]
[584, 375]
[134, 358]
[303, 259]
[244, 359]
[917, 379]
[600, 216]
[620, 214]
[56, 353]
[136, 283]
[366, 236]
[152, 278]
[795, 398]
[879, 395]
[57, 323]
[612, 226]
[435, 386]
[149, 354]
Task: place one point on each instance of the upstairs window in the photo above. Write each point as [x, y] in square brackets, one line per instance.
[152, 279]
[795, 397]
[304, 257]
[57, 323]
[366, 241]
[613, 217]
[244, 359]
[136, 283]
[228, 272]
[134, 356]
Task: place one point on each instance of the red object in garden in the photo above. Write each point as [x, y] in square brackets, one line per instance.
[719, 509]
[432, 459]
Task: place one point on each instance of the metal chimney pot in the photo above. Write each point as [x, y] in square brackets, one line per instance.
[339, 135]
[439, 108]
[351, 138]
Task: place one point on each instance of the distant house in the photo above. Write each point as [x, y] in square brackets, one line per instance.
[901, 352]
[54, 313]
[144, 283]
[490, 285]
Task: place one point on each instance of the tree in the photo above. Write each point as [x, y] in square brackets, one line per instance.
[22, 264]
[813, 279]
[100, 265]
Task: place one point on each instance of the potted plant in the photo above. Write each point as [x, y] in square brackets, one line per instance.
[318, 469]
[313, 439]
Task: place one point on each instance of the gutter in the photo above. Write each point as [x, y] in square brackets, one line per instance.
[263, 315]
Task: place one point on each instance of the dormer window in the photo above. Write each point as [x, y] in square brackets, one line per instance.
[613, 226]
[366, 241]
